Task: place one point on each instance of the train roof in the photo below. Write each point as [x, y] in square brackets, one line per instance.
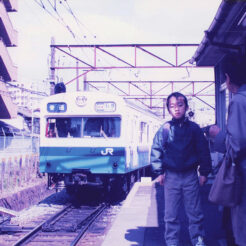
[227, 33]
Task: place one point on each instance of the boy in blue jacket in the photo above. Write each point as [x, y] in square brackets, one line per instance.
[179, 152]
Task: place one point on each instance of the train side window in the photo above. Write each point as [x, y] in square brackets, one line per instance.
[148, 137]
[143, 132]
[131, 129]
[135, 132]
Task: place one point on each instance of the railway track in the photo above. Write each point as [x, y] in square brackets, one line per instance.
[66, 227]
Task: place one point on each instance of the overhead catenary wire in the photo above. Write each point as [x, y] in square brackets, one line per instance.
[79, 23]
[27, 90]
[77, 20]
[43, 7]
[61, 20]
[58, 19]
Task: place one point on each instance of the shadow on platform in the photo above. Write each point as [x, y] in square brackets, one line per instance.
[154, 236]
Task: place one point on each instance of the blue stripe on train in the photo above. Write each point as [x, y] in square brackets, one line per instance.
[100, 160]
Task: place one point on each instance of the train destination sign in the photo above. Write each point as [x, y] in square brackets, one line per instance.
[105, 106]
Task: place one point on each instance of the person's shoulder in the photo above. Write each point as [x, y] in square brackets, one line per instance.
[193, 124]
[160, 129]
[239, 97]
[165, 125]
[238, 101]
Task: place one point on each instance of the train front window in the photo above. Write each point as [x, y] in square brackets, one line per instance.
[78, 127]
[63, 127]
[107, 127]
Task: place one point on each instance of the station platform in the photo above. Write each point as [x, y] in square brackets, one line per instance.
[140, 221]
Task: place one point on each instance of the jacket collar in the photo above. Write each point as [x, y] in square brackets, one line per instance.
[179, 121]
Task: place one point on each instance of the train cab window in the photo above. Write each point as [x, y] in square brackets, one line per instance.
[107, 127]
[63, 127]
[50, 128]
[75, 127]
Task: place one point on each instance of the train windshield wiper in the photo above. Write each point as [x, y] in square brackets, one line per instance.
[102, 133]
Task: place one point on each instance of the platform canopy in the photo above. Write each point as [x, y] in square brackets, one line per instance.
[227, 33]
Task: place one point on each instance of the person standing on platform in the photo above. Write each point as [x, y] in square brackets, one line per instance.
[179, 152]
[234, 69]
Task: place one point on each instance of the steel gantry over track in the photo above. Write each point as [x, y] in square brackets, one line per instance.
[144, 72]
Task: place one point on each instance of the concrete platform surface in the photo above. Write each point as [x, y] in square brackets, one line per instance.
[140, 221]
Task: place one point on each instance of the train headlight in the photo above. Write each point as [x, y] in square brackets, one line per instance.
[115, 165]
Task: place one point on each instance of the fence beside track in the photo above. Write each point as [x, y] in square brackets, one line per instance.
[19, 163]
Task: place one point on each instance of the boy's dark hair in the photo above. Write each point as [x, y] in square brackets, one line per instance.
[235, 66]
[177, 94]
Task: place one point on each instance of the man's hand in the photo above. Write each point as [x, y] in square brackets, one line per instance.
[202, 180]
[159, 179]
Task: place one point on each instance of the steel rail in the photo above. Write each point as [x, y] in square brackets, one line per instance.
[92, 218]
[85, 224]
[32, 233]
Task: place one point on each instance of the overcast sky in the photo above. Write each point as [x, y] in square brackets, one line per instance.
[103, 22]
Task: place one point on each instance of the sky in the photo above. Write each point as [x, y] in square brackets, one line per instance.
[107, 22]
[102, 22]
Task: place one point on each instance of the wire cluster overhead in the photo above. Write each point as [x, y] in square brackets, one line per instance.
[53, 9]
[27, 90]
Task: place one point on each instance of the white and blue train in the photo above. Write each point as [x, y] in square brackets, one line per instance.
[94, 138]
